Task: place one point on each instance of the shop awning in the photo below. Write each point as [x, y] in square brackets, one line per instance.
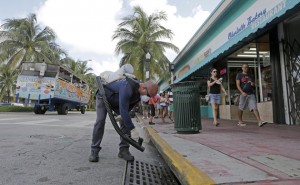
[269, 18]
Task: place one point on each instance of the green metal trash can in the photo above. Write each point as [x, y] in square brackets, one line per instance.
[186, 102]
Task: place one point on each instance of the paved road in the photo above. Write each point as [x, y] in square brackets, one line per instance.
[54, 149]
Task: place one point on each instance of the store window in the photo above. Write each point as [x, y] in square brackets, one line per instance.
[257, 55]
[265, 77]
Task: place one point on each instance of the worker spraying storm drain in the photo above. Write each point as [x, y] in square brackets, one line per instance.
[118, 93]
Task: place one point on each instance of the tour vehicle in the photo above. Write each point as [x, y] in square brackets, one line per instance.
[51, 87]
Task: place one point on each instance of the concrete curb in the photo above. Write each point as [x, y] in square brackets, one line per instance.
[187, 173]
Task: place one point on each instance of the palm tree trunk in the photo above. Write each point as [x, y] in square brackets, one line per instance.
[8, 96]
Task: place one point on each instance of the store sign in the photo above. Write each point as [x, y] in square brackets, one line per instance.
[247, 23]
[201, 56]
[195, 61]
[237, 31]
[256, 19]
[223, 71]
[268, 15]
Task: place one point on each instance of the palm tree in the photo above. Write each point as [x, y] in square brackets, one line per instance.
[90, 79]
[24, 40]
[8, 78]
[69, 63]
[139, 34]
[82, 68]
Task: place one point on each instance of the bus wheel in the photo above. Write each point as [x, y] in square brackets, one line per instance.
[62, 109]
[82, 109]
[36, 109]
[42, 109]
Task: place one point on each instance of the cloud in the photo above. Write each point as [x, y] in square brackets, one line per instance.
[183, 27]
[85, 27]
[105, 65]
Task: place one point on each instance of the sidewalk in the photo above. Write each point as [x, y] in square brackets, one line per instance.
[230, 154]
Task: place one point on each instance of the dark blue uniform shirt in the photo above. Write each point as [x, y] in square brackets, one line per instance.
[122, 97]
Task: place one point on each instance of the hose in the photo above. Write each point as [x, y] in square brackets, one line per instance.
[127, 138]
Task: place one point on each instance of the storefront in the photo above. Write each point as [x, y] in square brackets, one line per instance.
[264, 35]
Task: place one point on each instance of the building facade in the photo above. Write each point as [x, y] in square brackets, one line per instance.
[264, 35]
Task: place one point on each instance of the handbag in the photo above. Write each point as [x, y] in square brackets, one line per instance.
[236, 99]
[207, 98]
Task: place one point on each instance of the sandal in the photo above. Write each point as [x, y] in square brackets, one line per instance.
[216, 124]
[241, 124]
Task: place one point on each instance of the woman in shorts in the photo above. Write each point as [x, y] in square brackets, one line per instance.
[215, 86]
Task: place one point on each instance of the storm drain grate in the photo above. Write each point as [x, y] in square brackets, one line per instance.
[141, 173]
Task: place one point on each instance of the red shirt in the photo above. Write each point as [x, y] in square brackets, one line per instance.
[155, 99]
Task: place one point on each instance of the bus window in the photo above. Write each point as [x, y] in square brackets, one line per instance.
[84, 86]
[34, 69]
[64, 75]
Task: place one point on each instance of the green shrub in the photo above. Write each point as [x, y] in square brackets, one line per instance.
[90, 109]
[15, 109]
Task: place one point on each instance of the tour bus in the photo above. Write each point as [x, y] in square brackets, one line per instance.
[51, 87]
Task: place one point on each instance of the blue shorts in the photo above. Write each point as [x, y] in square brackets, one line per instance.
[215, 98]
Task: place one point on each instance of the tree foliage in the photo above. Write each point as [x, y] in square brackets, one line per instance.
[139, 34]
[8, 79]
[23, 40]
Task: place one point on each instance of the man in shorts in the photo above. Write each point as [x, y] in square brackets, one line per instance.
[245, 84]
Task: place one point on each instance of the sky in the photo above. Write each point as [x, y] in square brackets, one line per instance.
[84, 28]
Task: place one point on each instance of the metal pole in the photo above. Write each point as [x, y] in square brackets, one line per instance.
[17, 98]
[147, 70]
[148, 56]
[28, 99]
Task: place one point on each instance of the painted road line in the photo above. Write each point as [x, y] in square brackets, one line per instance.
[46, 123]
[8, 119]
[186, 172]
[33, 122]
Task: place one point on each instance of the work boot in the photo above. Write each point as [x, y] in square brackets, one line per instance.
[125, 154]
[94, 157]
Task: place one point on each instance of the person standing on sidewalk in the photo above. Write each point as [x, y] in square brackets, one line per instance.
[171, 106]
[158, 107]
[145, 108]
[152, 103]
[245, 84]
[162, 103]
[215, 86]
[123, 95]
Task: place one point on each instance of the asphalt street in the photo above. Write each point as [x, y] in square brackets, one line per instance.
[54, 149]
